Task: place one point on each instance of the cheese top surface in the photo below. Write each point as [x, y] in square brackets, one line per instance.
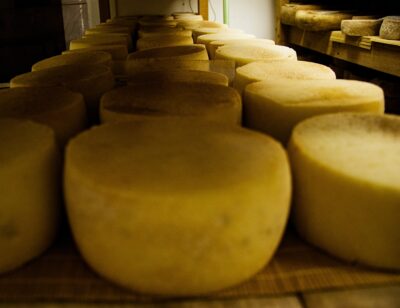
[270, 52]
[207, 38]
[362, 146]
[165, 52]
[336, 92]
[60, 75]
[245, 41]
[286, 70]
[171, 98]
[31, 101]
[97, 40]
[92, 57]
[171, 156]
[164, 31]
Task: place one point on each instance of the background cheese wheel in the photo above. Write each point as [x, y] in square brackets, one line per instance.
[276, 107]
[164, 31]
[347, 186]
[213, 30]
[89, 80]
[190, 52]
[244, 54]
[163, 41]
[117, 52]
[316, 20]
[361, 27]
[108, 29]
[164, 23]
[92, 57]
[208, 38]
[100, 35]
[90, 42]
[390, 28]
[207, 101]
[153, 204]
[29, 191]
[62, 110]
[288, 11]
[214, 45]
[259, 71]
[164, 76]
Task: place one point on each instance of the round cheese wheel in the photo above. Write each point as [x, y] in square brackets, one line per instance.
[164, 31]
[190, 52]
[206, 39]
[89, 80]
[316, 20]
[158, 23]
[100, 35]
[361, 27]
[157, 18]
[188, 17]
[271, 71]
[288, 12]
[213, 30]
[276, 107]
[29, 191]
[108, 28]
[176, 206]
[244, 54]
[117, 52]
[64, 111]
[347, 186]
[164, 76]
[208, 101]
[163, 41]
[390, 28]
[90, 42]
[92, 57]
[214, 45]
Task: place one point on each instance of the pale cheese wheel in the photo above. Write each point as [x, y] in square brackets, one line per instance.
[157, 23]
[206, 39]
[244, 54]
[89, 80]
[189, 52]
[189, 17]
[315, 20]
[271, 71]
[276, 107]
[347, 186]
[98, 41]
[163, 41]
[288, 12]
[214, 45]
[196, 100]
[176, 75]
[92, 57]
[62, 110]
[176, 206]
[361, 27]
[111, 35]
[117, 52]
[156, 17]
[164, 31]
[390, 28]
[30, 168]
[213, 30]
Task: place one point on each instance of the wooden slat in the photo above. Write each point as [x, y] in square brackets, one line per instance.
[203, 8]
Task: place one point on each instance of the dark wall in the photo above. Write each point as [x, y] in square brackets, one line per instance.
[30, 30]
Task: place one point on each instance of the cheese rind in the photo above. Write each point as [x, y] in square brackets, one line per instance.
[390, 28]
[361, 27]
[117, 52]
[30, 170]
[189, 52]
[214, 45]
[163, 41]
[315, 20]
[208, 38]
[288, 12]
[228, 217]
[164, 31]
[347, 186]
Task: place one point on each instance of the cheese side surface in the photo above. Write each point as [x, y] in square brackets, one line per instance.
[117, 52]
[189, 52]
[390, 28]
[276, 107]
[187, 212]
[319, 20]
[347, 186]
[97, 41]
[163, 41]
[30, 170]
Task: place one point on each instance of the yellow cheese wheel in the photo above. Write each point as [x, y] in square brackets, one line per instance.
[214, 45]
[347, 186]
[109, 28]
[100, 35]
[64, 111]
[163, 41]
[147, 33]
[206, 39]
[92, 57]
[176, 206]
[158, 23]
[213, 30]
[276, 107]
[176, 75]
[89, 80]
[390, 28]
[318, 20]
[188, 17]
[288, 11]
[117, 52]
[208, 101]
[189, 52]
[98, 41]
[361, 27]
[30, 168]
[244, 54]
[271, 71]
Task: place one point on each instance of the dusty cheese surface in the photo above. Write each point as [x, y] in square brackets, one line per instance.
[29, 191]
[390, 28]
[208, 101]
[348, 185]
[276, 107]
[62, 110]
[170, 206]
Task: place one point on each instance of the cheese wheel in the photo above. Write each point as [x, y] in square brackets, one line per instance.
[213, 30]
[271, 71]
[190, 52]
[276, 107]
[157, 23]
[207, 101]
[188, 17]
[390, 28]
[98, 41]
[214, 45]
[29, 191]
[347, 186]
[164, 31]
[108, 28]
[93, 57]
[244, 54]
[89, 80]
[181, 207]
[117, 52]
[176, 75]
[100, 35]
[64, 111]
[157, 18]
[361, 27]
[288, 12]
[163, 41]
[315, 20]
[206, 39]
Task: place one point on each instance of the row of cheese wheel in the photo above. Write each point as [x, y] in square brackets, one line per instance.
[177, 205]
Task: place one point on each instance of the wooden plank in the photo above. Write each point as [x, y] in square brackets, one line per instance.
[386, 296]
[203, 8]
[280, 30]
[317, 41]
